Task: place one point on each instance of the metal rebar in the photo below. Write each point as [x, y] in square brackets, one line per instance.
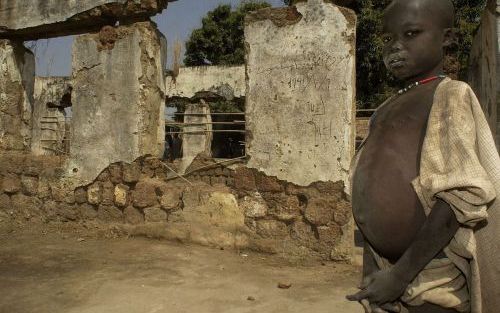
[213, 113]
[209, 131]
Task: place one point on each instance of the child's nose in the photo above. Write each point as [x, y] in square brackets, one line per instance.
[396, 46]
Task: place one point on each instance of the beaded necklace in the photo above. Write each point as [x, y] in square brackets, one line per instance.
[420, 82]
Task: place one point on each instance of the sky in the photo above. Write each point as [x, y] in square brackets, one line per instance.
[53, 56]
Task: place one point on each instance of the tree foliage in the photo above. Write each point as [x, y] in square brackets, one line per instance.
[220, 40]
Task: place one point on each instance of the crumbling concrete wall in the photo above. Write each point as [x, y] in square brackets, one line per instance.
[118, 98]
[52, 96]
[197, 136]
[17, 76]
[300, 102]
[35, 19]
[225, 81]
[484, 66]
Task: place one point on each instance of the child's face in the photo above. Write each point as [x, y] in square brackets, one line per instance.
[413, 40]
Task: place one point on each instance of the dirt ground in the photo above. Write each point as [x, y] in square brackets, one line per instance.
[58, 272]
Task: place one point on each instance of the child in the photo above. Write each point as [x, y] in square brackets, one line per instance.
[426, 179]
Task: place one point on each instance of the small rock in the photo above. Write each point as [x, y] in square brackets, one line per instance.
[284, 285]
[80, 239]
[250, 298]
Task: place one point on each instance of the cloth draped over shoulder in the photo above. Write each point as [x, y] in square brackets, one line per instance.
[460, 164]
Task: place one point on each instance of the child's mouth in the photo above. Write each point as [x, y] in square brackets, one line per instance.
[396, 62]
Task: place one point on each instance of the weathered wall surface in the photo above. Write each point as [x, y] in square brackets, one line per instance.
[300, 103]
[118, 98]
[484, 66]
[17, 76]
[226, 81]
[52, 95]
[33, 19]
[196, 137]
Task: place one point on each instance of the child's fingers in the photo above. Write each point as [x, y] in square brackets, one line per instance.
[366, 305]
[363, 294]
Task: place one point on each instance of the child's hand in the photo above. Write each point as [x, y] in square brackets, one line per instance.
[380, 287]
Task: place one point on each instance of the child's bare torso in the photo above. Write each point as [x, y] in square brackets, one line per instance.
[385, 205]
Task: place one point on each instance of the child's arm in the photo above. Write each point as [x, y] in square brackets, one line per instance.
[388, 285]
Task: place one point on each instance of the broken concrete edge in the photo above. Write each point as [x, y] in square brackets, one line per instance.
[89, 21]
[286, 16]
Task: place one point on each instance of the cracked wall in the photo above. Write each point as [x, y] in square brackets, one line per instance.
[300, 102]
[17, 76]
[119, 99]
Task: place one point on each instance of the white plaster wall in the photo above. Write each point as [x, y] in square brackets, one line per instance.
[207, 78]
[300, 102]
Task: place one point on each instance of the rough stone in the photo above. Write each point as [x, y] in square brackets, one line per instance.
[88, 212]
[26, 206]
[68, 212]
[272, 229]
[104, 176]
[5, 203]
[265, 183]
[171, 200]
[144, 194]
[94, 193]
[58, 192]
[301, 76]
[319, 211]
[131, 173]
[115, 173]
[80, 195]
[109, 213]
[17, 77]
[133, 216]
[108, 193]
[225, 81]
[156, 214]
[343, 213]
[43, 189]
[124, 83]
[304, 233]
[284, 208]
[244, 179]
[35, 19]
[50, 210]
[29, 185]
[11, 184]
[254, 206]
[121, 192]
[330, 235]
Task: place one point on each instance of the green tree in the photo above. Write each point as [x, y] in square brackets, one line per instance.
[220, 40]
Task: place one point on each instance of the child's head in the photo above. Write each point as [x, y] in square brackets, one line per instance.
[415, 33]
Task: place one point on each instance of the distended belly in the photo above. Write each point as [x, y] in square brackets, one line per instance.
[385, 205]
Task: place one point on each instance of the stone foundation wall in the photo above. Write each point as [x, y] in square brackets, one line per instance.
[230, 207]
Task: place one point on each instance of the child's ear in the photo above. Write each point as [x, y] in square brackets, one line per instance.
[450, 37]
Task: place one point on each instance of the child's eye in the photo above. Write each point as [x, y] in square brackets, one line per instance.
[411, 33]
